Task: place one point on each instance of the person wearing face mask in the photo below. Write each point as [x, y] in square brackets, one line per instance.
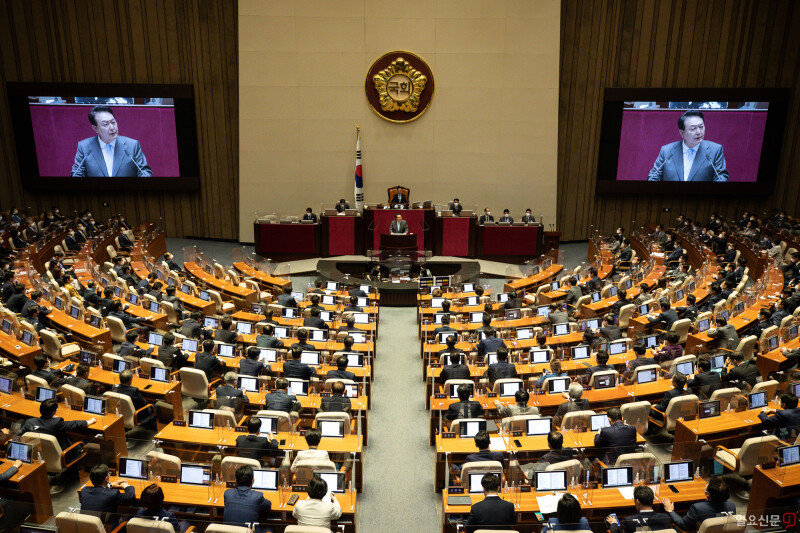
[693, 158]
[108, 154]
[122, 224]
[528, 218]
[456, 207]
[486, 216]
[32, 232]
[72, 242]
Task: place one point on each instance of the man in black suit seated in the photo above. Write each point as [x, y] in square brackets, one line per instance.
[690, 311]
[667, 317]
[622, 301]
[785, 422]
[17, 301]
[309, 215]
[617, 439]
[130, 348]
[513, 302]
[490, 344]
[177, 305]
[349, 324]
[251, 366]
[464, 407]
[713, 298]
[104, 496]
[253, 446]
[574, 294]
[294, 368]
[506, 217]
[54, 378]
[129, 321]
[444, 328]
[601, 366]
[528, 217]
[456, 206]
[574, 402]
[207, 361]
[337, 401]
[678, 389]
[640, 351]
[705, 382]
[79, 379]
[267, 338]
[743, 372]
[486, 216]
[145, 418]
[341, 206]
[127, 276]
[492, 511]
[227, 393]
[53, 425]
[716, 503]
[169, 354]
[280, 400]
[399, 198]
[456, 369]
[302, 340]
[502, 368]
[482, 442]
[353, 307]
[625, 255]
[341, 371]
[243, 505]
[192, 326]
[286, 299]
[645, 516]
[608, 330]
[314, 321]
[72, 244]
[317, 288]
[764, 322]
[225, 334]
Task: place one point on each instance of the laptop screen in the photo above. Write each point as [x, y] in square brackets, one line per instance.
[186, 289]
[717, 361]
[332, 285]
[75, 312]
[557, 385]
[281, 332]
[599, 422]
[454, 389]
[596, 297]
[298, 388]
[592, 323]
[362, 301]
[6, 326]
[318, 335]
[581, 352]
[708, 409]
[154, 307]
[650, 341]
[210, 322]
[553, 481]
[245, 328]
[543, 311]
[298, 296]
[471, 428]
[248, 383]
[772, 342]
[268, 355]
[702, 325]
[509, 389]
[560, 329]
[328, 299]
[679, 471]
[189, 345]
[789, 455]
[796, 389]
[513, 314]
[20, 451]
[118, 365]
[645, 376]
[265, 479]
[331, 428]
[159, 374]
[133, 298]
[476, 317]
[309, 358]
[618, 347]
[686, 368]
[524, 333]
[269, 424]
[154, 338]
[757, 400]
[475, 478]
[43, 393]
[94, 405]
[472, 300]
[199, 419]
[605, 381]
[502, 297]
[361, 318]
[5, 385]
[95, 321]
[538, 426]
[468, 287]
[618, 476]
[195, 474]
[436, 302]
[288, 312]
[132, 468]
[226, 350]
[27, 338]
[358, 336]
[326, 316]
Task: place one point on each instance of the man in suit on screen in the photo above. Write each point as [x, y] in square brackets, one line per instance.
[693, 158]
[109, 154]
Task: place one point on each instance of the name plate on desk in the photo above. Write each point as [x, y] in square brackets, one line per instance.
[179, 423]
[689, 418]
[435, 365]
[240, 429]
[524, 488]
[440, 395]
[480, 365]
[299, 488]
[448, 435]
[76, 407]
[144, 375]
[455, 490]
[324, 394]
[516, 433]
[230, 484]
[169, 479]
[491, 395]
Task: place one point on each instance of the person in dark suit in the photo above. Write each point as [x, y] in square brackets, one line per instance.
[79, 379]
[785, 421]
[130, 348]
[502, 368]
[608, 330]
[464, 407]
[146, 417]
[678, 389]
[486, 216]
[693, 158]
[640, 351]
[667, 317]
[147, 283]
[225, 334]
[444, 328]
[296, 369]
[18, 300]
[309, 215]
[353, 307]
[675, 255]
[286, 299]
[341, 371]
[104, 496]
[108, 154]
[625, 255]
[690, 311]
[716, 503]
[398, 225]
[645, 516]
[455, 370]
[482, 442]
[490, 344]
[253, 446]
[622, 300]
[267, 338]
[169, 354]
[227, 393]
[169, 259]
[251, 366]
[574, 403]
[491, 512]
[337, 401]
[601, 366]
[399, 198]
[506, 217]
[456, 207]
[714, 298]
[55, 425]
[314, 321]
[72, 244]
[557, 453]
[280, 400]
[54, 378]
[127, 276]
[557, 315]
[207, 361]
[302, 341]
[725, 333]
[573, 294]
[177, 305]
[705, 382]
[192, 326]
[744, 373]
[129, 321]
[780, 313]
[244, 505]
[341, 206]
[617, 439]
[528, 218]
[764, 322]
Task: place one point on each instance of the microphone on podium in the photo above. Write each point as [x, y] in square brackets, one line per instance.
[664, 162]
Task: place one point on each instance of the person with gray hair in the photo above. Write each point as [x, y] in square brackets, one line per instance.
[227, 394]
[574, 403]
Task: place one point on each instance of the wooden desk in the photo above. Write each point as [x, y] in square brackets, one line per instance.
[287, 241]
[16, 350]
[455, 236]
[30, 484]
[190, 302]
[273, 284]
[241, 296]
[513, 244]
[531, 283]
[84, 334]
[771, 488]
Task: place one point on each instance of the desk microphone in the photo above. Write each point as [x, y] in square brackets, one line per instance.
[719, 178]
[125, 149]
[83, 158]
[664, 162]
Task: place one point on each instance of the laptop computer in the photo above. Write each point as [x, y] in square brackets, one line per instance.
[538, 426]
[708, 409]
[309, 358]
[298, 387]
[557, 385]
[159, 374]
[156, 339]
[193, 474]
[539, 356]
[20, 451]
[789, 455]
[620, 476]
[201, 420]
[678, 472]
[265, 479]
[471, 428]
[510, 388]
[599, 422]
[331, 428]
[543, 311]
[552, 481]
[245, 328]
[226, 350]
[248, 383]
[581, 351]
[95, 405]
[132, 468]
[757, 400]
[44, 393]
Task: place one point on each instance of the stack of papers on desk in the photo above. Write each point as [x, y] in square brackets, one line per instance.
[548, 504]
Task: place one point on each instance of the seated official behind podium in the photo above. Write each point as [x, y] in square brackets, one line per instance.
[399, 198]
[309, 215]
[456, 206]
[486, 216]
[398, 225]
[528, 217]
[492, 512]
[506, 217]
[243, 505]
[341, 206]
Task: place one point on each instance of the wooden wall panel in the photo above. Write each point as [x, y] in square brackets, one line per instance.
[133, 41]
[667, 44]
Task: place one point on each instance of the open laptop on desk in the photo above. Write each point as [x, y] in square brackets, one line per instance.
[708, 409]
[557, 385]
[539, 356]
[268, 355]
[599, 422]
[678, 472]
[159, 374]
[509, 388]
[298, 387]
[331, 428]
[155, 339]
[94, 405]
[552, 481]
[194, 474]
[132, 468]
[248, 383]
[757, 400]
[538, 426]
[6, 385]
[471, 428]
[44, 393]
[620, 476]
[201, 420]
[310, 358]
[789, 455]
[265, 479]
[20, 451]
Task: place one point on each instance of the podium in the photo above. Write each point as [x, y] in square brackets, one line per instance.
[399, 242]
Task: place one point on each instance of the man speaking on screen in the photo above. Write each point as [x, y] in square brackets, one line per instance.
[693, 158]
[109, 154]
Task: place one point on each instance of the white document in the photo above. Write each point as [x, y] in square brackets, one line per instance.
[548, 504]
[626, 492]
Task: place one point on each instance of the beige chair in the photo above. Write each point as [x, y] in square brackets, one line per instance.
[130, 415]
[625, 315]
[285, 421]
[642, 463]
[223, 528]
[81, 523]
[305, 469]
[172, 315]
[583, 300]
[107, 359]
[146, 365]
[726, 397]
[573, 467]
[194, 383]
[636, 414]
[678, 407]
[517, 423]
[771, 387]
[147, 525]
[222, 307]
[31, 382]
[163, 464]
[112, 253]
[231, 464]
[73, 395]
[55, 459]
[681, 327]
[577, 419]
[767, 333]
[306, 529]
[604, 373]
[52, 347]
[724, 524]
[682, 359]
[747, 347]
[117, 328]
[645, 368]
[457, 382]
[754, 451]
[222, 418]
[482, 467]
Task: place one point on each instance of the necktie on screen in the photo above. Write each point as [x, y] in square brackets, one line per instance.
[109, 158]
